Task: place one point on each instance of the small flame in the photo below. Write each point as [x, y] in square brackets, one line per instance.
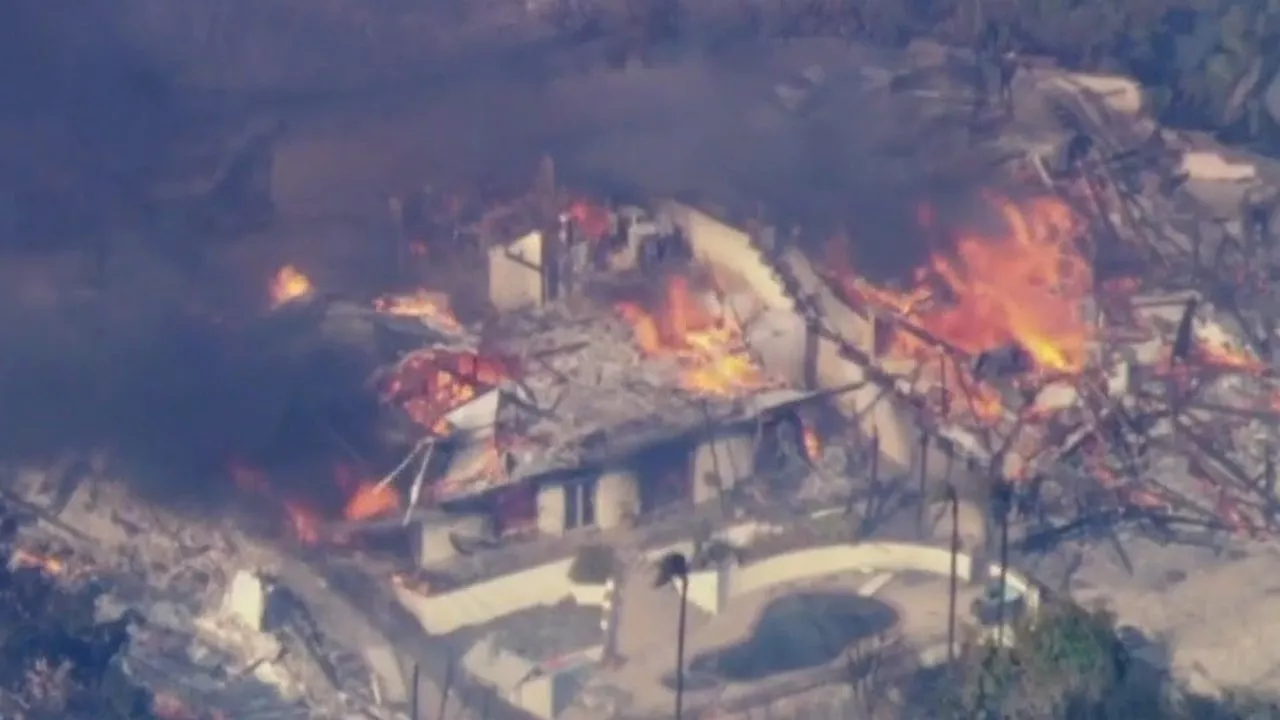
[593, 221]
[1222, 356]
[306, 523]
[812, 443]
[30, 559]
[430, 306]
[289, 284]
[372, 500]
[709, 347]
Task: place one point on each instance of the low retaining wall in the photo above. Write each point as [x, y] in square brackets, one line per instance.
[520, 681]
[713, 590]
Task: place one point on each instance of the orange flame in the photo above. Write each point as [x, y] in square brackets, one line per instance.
[812, 443]
[593, 221]
[371, 500]
[289, 284]
[1026, 287]
[708, 347]
[364, 500]
[425, 304]
[1228, 358]
[30, 559]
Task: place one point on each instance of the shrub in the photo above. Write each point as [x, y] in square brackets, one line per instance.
[594, 564]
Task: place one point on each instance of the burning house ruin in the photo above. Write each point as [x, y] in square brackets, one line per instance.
[644, 357]
[1066, 354]
[616, 380]
[1081, 346]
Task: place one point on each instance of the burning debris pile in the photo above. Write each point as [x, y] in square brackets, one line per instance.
[1089, 351]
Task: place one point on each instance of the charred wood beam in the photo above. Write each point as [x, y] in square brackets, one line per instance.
[1217, 458]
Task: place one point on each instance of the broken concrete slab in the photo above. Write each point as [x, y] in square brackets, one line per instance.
[245, 601]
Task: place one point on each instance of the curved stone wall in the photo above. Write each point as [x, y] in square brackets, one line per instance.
[712, 590]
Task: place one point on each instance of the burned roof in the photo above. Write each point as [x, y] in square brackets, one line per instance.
[588, 394]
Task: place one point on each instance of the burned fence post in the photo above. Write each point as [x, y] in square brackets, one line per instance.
[1269, 478]
[954, 579]
[1009, 65]
[415, 694]
[1003, 501]
[1257, 212]
[873, 486]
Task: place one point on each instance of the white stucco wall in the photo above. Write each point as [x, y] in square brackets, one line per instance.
[715, 590]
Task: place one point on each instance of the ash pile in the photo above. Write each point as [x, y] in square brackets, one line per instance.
[197, 614]
[1099, 349]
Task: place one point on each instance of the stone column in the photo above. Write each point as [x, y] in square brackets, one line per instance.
[551, 509]
[721, 461]
[617, 497]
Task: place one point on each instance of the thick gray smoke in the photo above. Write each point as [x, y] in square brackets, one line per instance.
[107, 101]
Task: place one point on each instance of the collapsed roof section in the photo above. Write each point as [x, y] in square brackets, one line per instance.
[588, 393]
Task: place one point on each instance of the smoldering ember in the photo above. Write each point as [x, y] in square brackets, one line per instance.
[565, 383]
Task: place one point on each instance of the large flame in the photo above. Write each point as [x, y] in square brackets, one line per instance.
[708, 346]
[1026, 286]
[289, 284]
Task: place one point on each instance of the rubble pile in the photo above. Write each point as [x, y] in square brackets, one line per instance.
[58, 655]
[198, 612]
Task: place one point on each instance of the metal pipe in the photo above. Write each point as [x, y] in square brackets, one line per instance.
[680, 630]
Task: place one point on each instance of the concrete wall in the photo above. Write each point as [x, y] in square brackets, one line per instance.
[722, 461]
[879, 414]
[717, 588]
[731, 250]
[617, 497]
[484, 601]
[515, 277]
[728, 248]
[551, 509]
[1118, 93]
[515, 679]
